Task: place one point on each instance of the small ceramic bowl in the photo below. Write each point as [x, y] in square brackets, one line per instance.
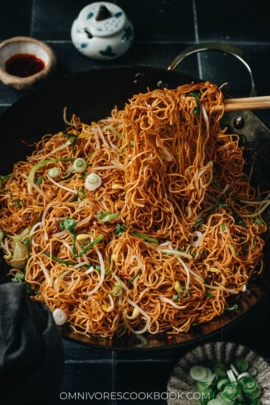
[26, 47]
[102, 31]
[181, 389]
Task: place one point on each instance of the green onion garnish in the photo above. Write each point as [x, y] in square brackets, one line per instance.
[2, 179]
[145, 237]
[121, 329]
[133, 278]
[233, 308]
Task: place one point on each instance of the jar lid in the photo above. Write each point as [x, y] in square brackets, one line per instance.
[102, 19]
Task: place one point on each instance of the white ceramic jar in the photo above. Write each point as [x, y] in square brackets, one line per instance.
[102, 31]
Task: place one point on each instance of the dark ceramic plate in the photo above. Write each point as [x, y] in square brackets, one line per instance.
[92, 95]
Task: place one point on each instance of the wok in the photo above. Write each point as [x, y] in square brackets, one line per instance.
[92, 95]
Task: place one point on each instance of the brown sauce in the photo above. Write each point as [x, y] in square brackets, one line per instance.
[24, 65]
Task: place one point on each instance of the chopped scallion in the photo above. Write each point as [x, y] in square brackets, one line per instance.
[54, 172]
[145, 237]
[121, 329]
[133, 278]
[79, 165]
[233, 308]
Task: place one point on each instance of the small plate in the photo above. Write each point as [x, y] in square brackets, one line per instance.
[181, 389]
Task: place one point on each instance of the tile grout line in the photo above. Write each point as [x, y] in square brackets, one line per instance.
[153, 42]
[114, 401]
[32, 17]
[196, 31]
[197, 38]
[114, 362]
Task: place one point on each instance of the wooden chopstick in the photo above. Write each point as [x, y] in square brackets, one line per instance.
[247, 103]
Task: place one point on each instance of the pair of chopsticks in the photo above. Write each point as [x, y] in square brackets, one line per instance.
[248, 103]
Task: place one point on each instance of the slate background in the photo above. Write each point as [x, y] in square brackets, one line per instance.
[163, 28]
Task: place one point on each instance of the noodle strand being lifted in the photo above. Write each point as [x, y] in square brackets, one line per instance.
[142, 222]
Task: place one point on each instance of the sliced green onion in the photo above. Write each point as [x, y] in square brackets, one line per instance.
[220, 370]
[2, 179]
[248, 385]
[208, 294]
[119, 230]
[2, 235]
[233, 308]
[102, 215]
[111, 128]
[81, 194]
[92, 244]
[254, 394]
[230, 391]
[195, 93]
[180, 289]
[198, 222]
[72, 138]
[225, 390]
[56, 259]
[245, 374]
[27, 244]
[222, 383]
[79, 165]
[231, 375]
[196, 110]
[54, 172]
[68, 224]
[234, 370]
[17, 203]
[145, 237]
[98, 268]
[241, 364]
[198, 373]
[20, 254]
[224, 228]
[121, 329]
[117, 291]
[39, 180]
[133, 278]
[38, 166]
[202, 386]
[214, 401]
[109, 217]
[93, 181]
[59, 316]
[18, 277]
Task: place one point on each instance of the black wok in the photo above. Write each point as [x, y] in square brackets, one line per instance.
[92, 95]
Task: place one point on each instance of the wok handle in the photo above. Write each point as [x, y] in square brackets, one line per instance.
[213, 46]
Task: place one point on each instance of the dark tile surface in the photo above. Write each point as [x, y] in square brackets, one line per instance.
[162, 20]
[230, 21]
[16, 18]
[77, 352]
[83, 382]
[163, 29]
[253, 330]
[143, 382]
[53, 19]
[156, 55]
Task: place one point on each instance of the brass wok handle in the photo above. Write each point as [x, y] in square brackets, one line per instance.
[213, 46]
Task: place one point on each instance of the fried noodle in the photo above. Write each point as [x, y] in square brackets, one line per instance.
[171, 233]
